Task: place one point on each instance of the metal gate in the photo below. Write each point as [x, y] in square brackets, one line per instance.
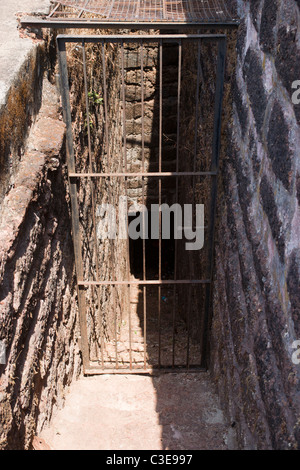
[133, 324]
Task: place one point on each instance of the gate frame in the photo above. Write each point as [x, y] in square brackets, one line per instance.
[62, 40]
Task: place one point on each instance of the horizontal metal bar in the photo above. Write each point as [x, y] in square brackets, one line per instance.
[141, 371]
[142, 282]
[93, 24]
[142, 174]
[145, 37]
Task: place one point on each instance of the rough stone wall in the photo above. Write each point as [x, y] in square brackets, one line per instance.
[103, 304]
[256, 290]
[152, 109]
[134, 128]
[18, 112]
[38, 308]
[134, 123]
[196, 138]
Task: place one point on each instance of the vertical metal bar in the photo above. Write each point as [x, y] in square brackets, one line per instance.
[73, 197]
[188, 326]
[105, 98]
[111, 8]
[214, 166]
[159, 193]
[191, 263]
[164, 9]
[176, 196]
[92, 192]
[143, 203]
[126, 190]
[137, 11]
[196, 119]
[82, 11]
[191, 9]
[112, 257]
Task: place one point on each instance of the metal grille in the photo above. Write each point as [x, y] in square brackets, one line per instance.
[134, 355]
[147, 10]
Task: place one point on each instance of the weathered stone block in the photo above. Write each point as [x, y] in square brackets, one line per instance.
[279, 149]
[270, 208]
[287, 59]
[268, 25]
[253, 75]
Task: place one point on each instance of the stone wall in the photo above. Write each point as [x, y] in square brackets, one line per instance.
[195, 140]
[150, 127]
[256, 285]
[147, 133]
[38, 305]
[103, 259]
[256, 290]
[19, 110]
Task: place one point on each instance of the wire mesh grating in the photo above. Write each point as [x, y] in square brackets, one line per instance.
[148, 10]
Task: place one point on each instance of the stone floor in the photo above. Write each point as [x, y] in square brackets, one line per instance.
[122, 412]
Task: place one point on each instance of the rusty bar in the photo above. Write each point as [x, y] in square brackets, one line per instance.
[188, 327]
[176, 196]
[196, 118]
[194, 190]
[90, 23]
[146, 38]
[94, 370]
[164, 9]
[92, 190]
[54, 10]
[214, 190]
[137, 11]
[126, 191]
[112, 263]
[156, 174]
[116, 329]
[105, 98]
[149, 282]
[60, 15]
[143, 202]
[191, 7]
[83, 9]
[111, 7]
[73, 197]
[159, 193]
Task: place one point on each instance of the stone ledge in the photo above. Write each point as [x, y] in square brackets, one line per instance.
[14, 50]
[43, 149]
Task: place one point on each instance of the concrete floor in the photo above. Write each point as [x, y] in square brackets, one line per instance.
[168, 412]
